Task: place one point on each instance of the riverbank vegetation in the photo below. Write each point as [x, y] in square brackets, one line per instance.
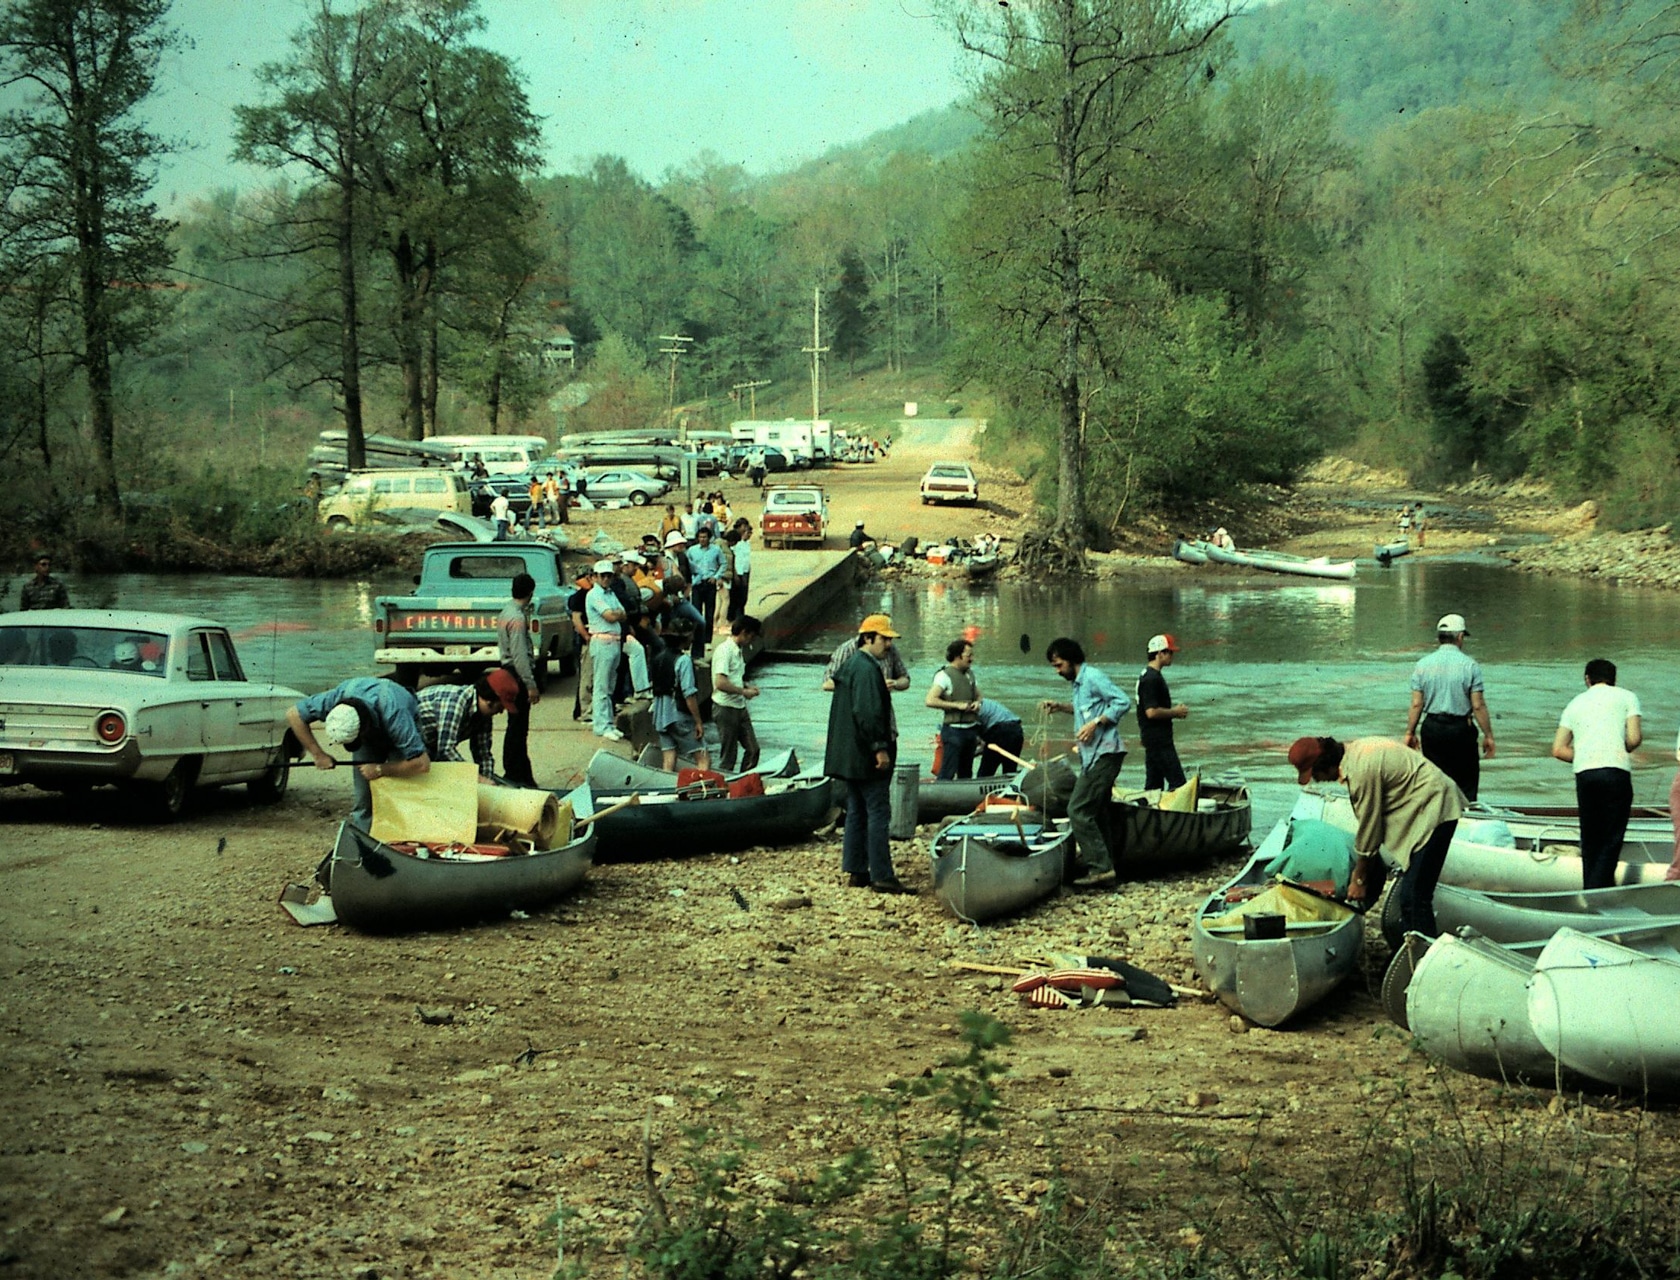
[1218, 246]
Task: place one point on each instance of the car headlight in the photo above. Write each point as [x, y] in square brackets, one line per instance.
[111, 727]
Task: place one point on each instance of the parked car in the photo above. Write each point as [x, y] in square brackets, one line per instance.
[155, 703]
[950, 482]
[365, 492]
[635, 486]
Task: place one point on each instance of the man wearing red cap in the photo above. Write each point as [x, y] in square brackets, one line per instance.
[1405, 806]
[450, 713]
[1156, 712]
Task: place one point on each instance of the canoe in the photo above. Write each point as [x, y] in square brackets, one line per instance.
[1225, 555]
[1386, 553]
[1310, 567]
[1535, 917]
[377, 889]
[1467, 1004]
[938, 799]
[1606, 1010]
[1189, 552]
[981, 566]
[1517, 849]
[1270, 980]
[1221, 825]
[606, 769]
[661, 825]
[989, 864]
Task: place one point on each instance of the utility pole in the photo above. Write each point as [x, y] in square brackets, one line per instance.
[751, 388]
[677, 344]
[816, 349]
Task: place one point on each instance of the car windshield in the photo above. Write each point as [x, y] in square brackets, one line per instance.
[960, 473]
[88, 648]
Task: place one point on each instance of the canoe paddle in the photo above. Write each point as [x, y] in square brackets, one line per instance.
[635, 799]
[1015, 759]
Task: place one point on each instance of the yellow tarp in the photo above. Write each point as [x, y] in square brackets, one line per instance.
[440, 806]
[1296, 906]
[1182, 799]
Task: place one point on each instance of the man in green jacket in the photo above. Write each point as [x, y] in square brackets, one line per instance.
[860, 754]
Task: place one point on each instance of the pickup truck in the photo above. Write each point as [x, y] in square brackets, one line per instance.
[793, 514]
[449, 624]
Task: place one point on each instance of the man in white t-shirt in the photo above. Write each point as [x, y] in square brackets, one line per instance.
[1595, 734]
[731, 693]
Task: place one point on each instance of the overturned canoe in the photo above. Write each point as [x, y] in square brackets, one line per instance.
[1606, 1010]
[1271, 979]
[998, 862]
[662, 824]
[379, 889]
[1386, 553]
[1189, 552]
[1304, 566]
[1221, 824]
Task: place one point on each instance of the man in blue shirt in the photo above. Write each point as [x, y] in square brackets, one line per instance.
[604, 616]
[999, 725]
[1097, 707]
[378, 720]
[705, 569]
[1446, 695]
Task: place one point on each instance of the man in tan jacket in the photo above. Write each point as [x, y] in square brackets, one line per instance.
[1407, 811]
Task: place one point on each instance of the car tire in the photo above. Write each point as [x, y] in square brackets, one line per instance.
[168, 800]
[638, 498]
[338, 524]
[271, 787]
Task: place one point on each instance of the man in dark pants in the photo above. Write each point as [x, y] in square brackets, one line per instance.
[513, 638]
[1596, 733]
[860, 754]
[1403, 803]
[1097, 708]
[956, 696]
[1447, 694]
[999, 725]
[705, 571]
[1156, 713]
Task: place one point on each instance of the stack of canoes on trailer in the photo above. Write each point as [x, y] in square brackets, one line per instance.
[671, 820]
[1551, 987]
[1195, 552]
[1267, 949]
[999, 860]
[1216, 819]
[384, 888]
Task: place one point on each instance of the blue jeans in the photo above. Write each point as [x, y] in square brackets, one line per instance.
[605, 656]
[957, 745]
[864, 848]
[1417, 884]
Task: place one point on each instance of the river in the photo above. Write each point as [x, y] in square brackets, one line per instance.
[1262, 662]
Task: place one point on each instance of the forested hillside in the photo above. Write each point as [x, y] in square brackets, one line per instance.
[1436, 235]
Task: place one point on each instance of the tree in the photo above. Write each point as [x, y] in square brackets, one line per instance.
[332, 108]
[624, 394]
[1076, 91]
[77, 173]
[849, 311]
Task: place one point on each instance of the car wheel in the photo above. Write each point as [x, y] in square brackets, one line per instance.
[338, 524]
[271, 787]
[167, 800]
[638, 498]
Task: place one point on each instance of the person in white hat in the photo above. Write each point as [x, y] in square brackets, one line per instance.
[1446, 695]
[378, 721]
[1156, 711]
[675, 560]
[605, 614]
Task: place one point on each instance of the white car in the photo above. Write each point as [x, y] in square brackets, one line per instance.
[950, 482]
[155, 703]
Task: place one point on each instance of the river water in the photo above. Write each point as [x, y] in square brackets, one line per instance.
[1262, 663]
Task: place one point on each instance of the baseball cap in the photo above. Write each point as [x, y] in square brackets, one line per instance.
[675, 539]
[632, 557]
[342, 725]
[505, 687]
[1163, 643]
[880, 624]
[1304, 753]
[858, 525]
[1452, 625]
[603, 566]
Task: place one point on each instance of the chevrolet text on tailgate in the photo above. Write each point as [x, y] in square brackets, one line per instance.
[794, 514]
[449, 624]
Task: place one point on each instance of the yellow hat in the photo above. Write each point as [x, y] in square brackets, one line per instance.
[880, 624]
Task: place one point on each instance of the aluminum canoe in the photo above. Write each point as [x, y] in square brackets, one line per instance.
[1271, 980]
[1157, 839]
[379, 890]
[996, 863]
[1304, 566]
[1535, 917]
[1189, 552]
[662, 825]
[1607, 1011]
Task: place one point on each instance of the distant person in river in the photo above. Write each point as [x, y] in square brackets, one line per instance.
[43, 591]
[1156, 712]
[1596, 734]
[1446, 697]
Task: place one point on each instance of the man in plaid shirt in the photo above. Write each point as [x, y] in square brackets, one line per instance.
[451, 712]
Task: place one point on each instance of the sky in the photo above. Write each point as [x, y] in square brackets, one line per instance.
[763, 83]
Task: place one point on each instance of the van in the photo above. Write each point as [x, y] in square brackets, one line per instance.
[501, 455]
[387, 490]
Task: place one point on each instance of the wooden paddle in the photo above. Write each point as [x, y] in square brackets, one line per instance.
[1015, 759]
[635, 799]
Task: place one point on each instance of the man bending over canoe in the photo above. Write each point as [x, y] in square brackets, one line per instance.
[378, 721]
[1404, 805]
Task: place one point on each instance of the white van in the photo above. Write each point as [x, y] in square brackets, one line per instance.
[501, 455]
[429, 488]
